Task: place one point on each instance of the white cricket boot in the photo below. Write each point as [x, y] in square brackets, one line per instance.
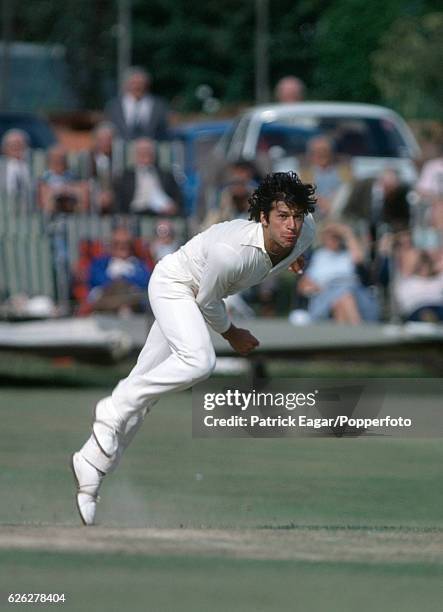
[88, 480]
[106, 427]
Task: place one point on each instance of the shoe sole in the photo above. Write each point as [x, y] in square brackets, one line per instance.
[78, 487]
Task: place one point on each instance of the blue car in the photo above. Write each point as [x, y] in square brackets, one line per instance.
[40, 133]
[192, 144]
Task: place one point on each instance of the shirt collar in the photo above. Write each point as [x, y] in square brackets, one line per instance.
[254, 236]
[128, 99]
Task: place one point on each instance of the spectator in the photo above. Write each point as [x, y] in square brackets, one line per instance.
[406, 255]
[137, 113]
[118, 282]
[146, 188]
[100, 170]
[15, 178]
[419, 296]
[289, 89]
[377, 200]
[430, 181]
[234, 198]
[332, 282]
[326, 173]
[398, 257]
[165, 241]
[436, 216]
[58, 189]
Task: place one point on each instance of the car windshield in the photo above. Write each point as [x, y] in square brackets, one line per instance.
[354, 136]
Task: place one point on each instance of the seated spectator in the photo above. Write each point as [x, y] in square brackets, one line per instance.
[332, 282]
[146, 188]
[434, 233]
[419, 296]
[118, 281]
[165, 241]
[395, 253]
[15, 177]
[137, 113]
[436, 215]
[234, 197]
[326, 173]
[289, 89]
[99, 163]
[430, 181]
[378, 200]
[58, 189]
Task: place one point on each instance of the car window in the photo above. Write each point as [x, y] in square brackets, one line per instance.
[203, 148]
[234, 149]
[291, 139]
[354, 136]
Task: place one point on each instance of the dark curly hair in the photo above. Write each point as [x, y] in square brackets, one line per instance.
[284, 187]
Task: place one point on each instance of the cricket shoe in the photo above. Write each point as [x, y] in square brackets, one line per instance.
[105, 427]
[88, 480]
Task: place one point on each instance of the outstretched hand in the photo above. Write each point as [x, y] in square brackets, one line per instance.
[298, 265]
[241, 340]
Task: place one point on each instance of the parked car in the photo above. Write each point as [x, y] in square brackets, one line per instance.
[372, 137]
[192, 144]
[41, 135]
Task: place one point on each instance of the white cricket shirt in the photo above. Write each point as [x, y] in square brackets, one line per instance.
[225, 259]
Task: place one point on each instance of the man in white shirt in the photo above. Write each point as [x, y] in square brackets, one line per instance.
[430, 181]
[186, 294]
[15, 177]
[147, 189]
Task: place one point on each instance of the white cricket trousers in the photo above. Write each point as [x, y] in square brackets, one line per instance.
[178, 353]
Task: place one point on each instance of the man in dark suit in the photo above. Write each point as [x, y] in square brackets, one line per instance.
[137, 113]
[147, 189]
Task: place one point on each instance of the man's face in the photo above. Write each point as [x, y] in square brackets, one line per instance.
[284, 225]
[103, 141]
[289, 91]
[57, 160]
[144, 153]
[331, 240]
[240, 181]
[137, 85]
[15, 146]
[121, 246]
[320, 153]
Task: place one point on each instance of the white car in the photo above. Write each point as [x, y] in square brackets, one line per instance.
[373, 138]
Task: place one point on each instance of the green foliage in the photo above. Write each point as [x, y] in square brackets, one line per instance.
[327, 43]
[407, 66]
[186, 44]
[346, 35]
[85, 28]
[183, 43]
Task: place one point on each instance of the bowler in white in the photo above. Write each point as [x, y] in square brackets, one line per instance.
[186, 292]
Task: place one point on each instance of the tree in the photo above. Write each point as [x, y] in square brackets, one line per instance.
[346, 35]
[85, 28]
[407, 66]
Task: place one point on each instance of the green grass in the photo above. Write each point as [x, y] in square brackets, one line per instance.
[115, 583]
[169, 480]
